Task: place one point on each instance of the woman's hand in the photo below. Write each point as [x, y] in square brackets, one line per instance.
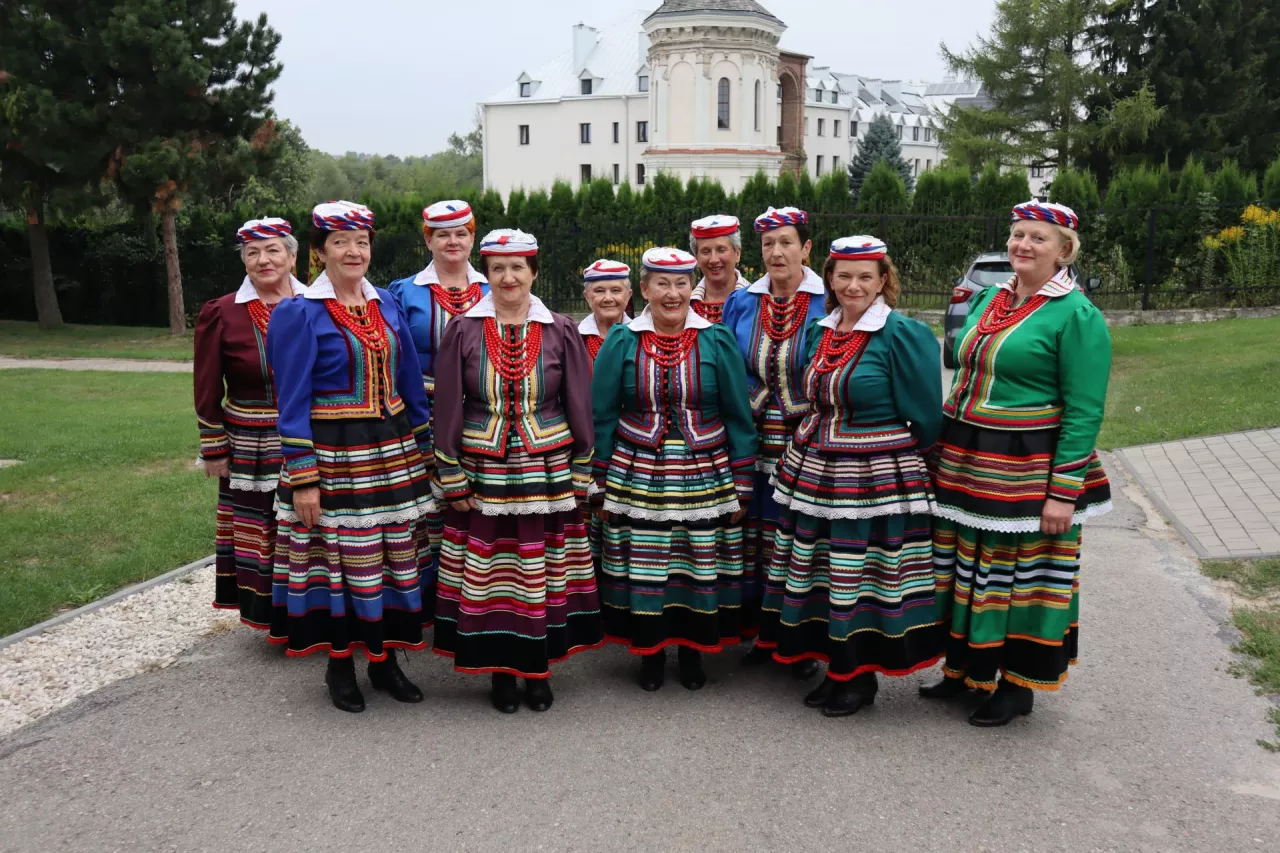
[741, 513]
[220, 467]
[464, 505]
[306, 503]
[1055, 518]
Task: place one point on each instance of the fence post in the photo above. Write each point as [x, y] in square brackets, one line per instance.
[884, 230]
[1150, 272]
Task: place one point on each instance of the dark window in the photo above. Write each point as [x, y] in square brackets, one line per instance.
[722, 104]
[639, 173]
[822, 127]
[835, 163]
[819, 169]
[584, 133]
[586, 86]
[524, 134]
[526, 89]
[835, 127]
[835, 97]
[899, 131]
[616, 173]
[642, 131]
[757, 113]
[616, 132]
[987, 274]
[915, 134]
[586, 173]
[644, 83]
[928, 134]
[853, 129]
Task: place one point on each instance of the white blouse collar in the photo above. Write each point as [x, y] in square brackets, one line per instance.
[431, 276]
[1060, 285]
[700, 290]
[589, 327]
[644, 323]
[322, 288]
[538, 312]
[812, 283]
[248, 293]
[872, 320]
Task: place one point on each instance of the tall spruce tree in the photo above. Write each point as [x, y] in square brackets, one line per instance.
[880, 143]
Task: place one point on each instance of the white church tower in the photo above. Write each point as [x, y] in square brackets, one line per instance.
[713, 105]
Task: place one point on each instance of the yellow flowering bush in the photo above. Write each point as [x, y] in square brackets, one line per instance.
[1251, 249]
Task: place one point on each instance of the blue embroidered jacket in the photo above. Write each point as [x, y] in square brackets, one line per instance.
[427, 320]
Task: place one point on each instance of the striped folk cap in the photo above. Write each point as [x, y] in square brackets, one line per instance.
[667, 259]
[342, 216]
[1047, 211]
[606, 270]
[780, 218]
[509, 241]
[719, 225]
[860, 248]
[263, 229]
[447, 214]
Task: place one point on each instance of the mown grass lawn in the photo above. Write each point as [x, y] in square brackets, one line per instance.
[107, 493]
[30, 341]
[1195, 379]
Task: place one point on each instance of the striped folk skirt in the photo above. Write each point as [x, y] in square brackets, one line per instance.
[671, 569]
[516, 591]
[355, 580]
[761, 522]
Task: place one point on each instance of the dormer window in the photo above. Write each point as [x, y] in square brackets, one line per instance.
[642, 83]
[585, 84]
[526, 90]
[834, 97]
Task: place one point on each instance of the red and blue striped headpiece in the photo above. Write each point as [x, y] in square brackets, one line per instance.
[860, 248]
[605, 270]
[447, 214]
[780, 218]
[1047, 211]
[263, 229]
[342, 216]
[509, 241]
[720, 225]
[667, 259]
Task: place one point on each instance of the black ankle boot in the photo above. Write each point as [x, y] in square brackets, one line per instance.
[849, 697]
[803, 670]
[653, 671]
[944, 688]
[1007, 702]
[388, 677]
[818, 696]
[537, 693]
[505, 695]
[341, 678]
[691, 674]
[757, 656]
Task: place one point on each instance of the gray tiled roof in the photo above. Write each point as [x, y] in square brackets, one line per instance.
[687, 7]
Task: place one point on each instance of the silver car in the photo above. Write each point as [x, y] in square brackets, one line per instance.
[987, 269]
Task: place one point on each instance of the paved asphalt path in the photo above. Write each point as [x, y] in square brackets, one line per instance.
[1150, 747]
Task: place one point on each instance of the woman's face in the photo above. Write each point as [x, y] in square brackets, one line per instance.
[856, 284]
[718, 260]
[608, 299]
[668, 297]
[451, 245]
[1036, 250]
[268, 263]
[510, 280]
[346, 255]
[784, 253]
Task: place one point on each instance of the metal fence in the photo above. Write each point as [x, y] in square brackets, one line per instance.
[1195, 256]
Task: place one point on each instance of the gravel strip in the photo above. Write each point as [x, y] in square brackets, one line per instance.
[130, 365]
[143, 633]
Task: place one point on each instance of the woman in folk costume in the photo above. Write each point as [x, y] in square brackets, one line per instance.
[716, 241]
[606, 285]
[852, 581]
[770, 320]
[447, 288]
[236, 410]
[516, 590]
[1017, 474]
[354, 429]
[675, 450]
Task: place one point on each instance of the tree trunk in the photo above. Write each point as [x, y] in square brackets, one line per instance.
[48, 314]
[169, 235]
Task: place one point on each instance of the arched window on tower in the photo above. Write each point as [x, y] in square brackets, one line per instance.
[757, 112]
[722, 105]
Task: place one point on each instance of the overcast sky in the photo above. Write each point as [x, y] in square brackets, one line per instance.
[399, 76]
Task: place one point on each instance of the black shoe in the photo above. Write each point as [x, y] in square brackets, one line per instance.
[653, 671]
[537, 693]
[505, 695]
[817, 697]
[387, 677]
[341, 678]
[757, 656]
[944, 688]
[803, 670]
[691, 674]
[1007, 702]
[850, 696]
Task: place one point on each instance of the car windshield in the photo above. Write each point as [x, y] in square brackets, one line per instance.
[991, 273]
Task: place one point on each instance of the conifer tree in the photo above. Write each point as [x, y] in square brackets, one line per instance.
[880, 143]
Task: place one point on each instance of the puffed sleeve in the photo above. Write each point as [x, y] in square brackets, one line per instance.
[1084, 369]
[575, 392]
[606, 396]
[209, 388]
[735, 408]
[448, 414]
[409, 382]
[916, 379]
[291, 352]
